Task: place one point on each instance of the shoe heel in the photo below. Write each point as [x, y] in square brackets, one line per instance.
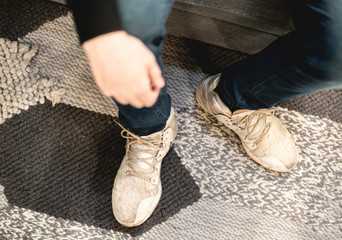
[198, 99]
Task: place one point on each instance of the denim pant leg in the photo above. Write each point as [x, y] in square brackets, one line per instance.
[305, 61]
[145, 19]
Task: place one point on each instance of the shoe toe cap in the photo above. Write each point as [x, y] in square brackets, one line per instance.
[144, 209]
[283, 157]
[276, 152]
[279, 164]
[124, 211]
[131, 205]
[133, 214]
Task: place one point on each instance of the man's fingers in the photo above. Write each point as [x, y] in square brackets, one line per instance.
[136, 103]
[151, 98]
[121, 100]
[148, 96]
[157, 81]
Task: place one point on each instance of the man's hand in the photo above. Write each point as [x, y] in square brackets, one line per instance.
[124, 68]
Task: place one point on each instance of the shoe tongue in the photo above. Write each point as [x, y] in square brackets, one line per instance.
[145, 150]
[240, 111]
[139, 151]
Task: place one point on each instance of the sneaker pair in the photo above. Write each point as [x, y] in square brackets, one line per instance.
[137, 186]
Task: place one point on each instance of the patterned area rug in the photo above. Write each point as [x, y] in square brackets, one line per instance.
[60, 150]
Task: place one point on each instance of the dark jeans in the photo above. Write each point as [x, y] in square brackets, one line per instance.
[302, 62]
[305, 61]
[146, 20]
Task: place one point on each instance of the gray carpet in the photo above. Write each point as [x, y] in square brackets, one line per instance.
[58, 162]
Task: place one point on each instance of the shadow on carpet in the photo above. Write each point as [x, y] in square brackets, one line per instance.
[62, 161]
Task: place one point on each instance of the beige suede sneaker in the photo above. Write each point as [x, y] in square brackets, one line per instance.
[263, 136]
[137, 186]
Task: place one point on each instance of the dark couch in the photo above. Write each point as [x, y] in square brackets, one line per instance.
[242, 25]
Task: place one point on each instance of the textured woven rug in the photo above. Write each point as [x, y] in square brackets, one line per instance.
[60, 150]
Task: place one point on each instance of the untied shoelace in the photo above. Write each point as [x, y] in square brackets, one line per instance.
[250, 122]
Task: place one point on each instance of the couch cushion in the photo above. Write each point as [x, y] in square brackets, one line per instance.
[243, 25]
[270, 16]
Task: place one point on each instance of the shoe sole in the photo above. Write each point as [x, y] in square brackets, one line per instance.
[254, 158]
[263, 164]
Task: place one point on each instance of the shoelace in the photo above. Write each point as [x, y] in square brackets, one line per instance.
[142, 167]
[250, 124]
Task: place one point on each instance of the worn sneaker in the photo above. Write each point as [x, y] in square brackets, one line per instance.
[263, 136]
[137, 186]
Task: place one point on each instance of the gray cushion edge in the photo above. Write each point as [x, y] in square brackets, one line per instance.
[217, 32]
[279, 26]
